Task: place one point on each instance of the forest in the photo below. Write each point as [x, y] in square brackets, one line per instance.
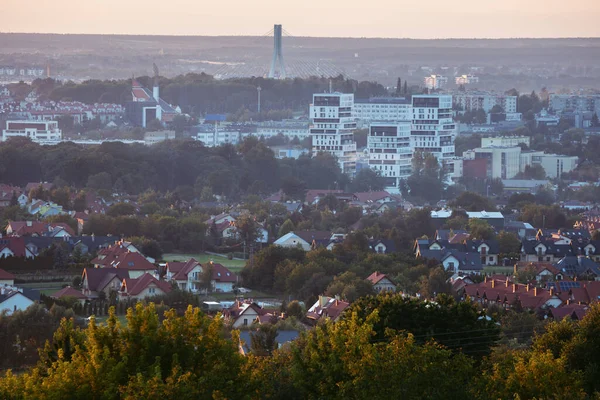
[198, 94]
[382, 347]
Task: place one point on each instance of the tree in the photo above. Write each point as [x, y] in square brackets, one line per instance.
[497, 109]
[14, 201]
[154, 125]
[435, 283]
[121, 209]
[349, 287]
[287, 227]
[480, 229]
[532, 172]
[361, 138]
[101, 180]
[294, 309]
[508, 243]
[398, 87]
[294, 188]
[595, 122]
[405, 91]
[263, 341]
[367, 180]
[473, 202]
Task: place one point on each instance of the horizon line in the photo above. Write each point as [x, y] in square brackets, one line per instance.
[306, 37]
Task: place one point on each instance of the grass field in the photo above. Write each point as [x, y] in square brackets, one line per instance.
[498, 270]
[121, 318]
[233, 265]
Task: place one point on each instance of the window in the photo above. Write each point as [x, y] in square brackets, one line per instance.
[450, 266]
[491, 259]
[245, 322]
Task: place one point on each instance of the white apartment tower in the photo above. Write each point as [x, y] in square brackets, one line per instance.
[433, 130]
[332, 127]
[390, 151]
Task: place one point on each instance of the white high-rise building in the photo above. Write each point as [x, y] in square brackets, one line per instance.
[382, 109]
[433, 130]
[332, 127]
[390, 151]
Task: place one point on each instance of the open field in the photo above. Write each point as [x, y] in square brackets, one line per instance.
[498, 270]
[233, 265]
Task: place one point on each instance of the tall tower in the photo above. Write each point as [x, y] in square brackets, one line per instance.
[277, 54]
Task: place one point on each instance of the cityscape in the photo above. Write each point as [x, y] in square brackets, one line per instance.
[303, 217]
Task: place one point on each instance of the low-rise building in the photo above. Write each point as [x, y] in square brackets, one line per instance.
[43, 132]
[381, 282]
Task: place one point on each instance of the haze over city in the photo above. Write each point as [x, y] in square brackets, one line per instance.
[335, 18]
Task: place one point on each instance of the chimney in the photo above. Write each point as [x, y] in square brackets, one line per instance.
[551, 291]
[514, 288]
[322, 301]
[527, 287]
[485, 279]
[568, 301]
[506, 284]
[535, 291]
[493, 283]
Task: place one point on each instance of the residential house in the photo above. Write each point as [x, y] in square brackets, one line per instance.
[13, 299]
[591, 249]
[135, 263]
[245, 313]
[507, 294]
[306, 240]
[372, 197]
[219, 219]
[448, 234]
[381, 282]
[545, 250]
[314, 195]
[36, 228]
[6, 278]
[69, 292]
[382, 246]
[544, 271]
[106, 280]
[144, 286]
[488, 250]
[523, 230]
[579, 267]
[187, 275]
[222, 278]
[14, 247]
[326, 307]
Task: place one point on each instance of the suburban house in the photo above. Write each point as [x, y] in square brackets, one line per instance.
[327, 307]
[454, 260]
[69, 292]
[382, 246]
[381, 283]
[97, 280]
[12, 299]
[579, 267]
[507, 294]
[36, 228]
[545, 250]
[219, 219]
[144, 286]
[6, 278]
[245, 313]
[464, 252]
[523, 230]
[124, 255]
[592, 250]
[544, 271]
[14, 247]
[188, 276]
[488, 250]
[306, 240]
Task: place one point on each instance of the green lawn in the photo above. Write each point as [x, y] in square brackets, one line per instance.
[233, 265]
[121, 318]
[498, 270]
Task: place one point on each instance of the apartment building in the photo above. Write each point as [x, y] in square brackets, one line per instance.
[390, 152]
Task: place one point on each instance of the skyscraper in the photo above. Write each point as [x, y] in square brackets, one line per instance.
[332, 128]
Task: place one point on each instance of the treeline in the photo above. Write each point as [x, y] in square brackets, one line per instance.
[384, 347]
[180, 165]
[199, 94]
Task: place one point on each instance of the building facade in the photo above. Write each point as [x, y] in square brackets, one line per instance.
[332, 127]
[390, 152]
[382, 109]
[435, 81]
[505, 141]
[433, 130]
[473, 101]
[43, 132]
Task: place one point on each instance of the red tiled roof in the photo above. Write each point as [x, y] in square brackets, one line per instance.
[185, 269]
[133, 287]
[371, 196]
[15, 244]
[221, 273]
[133, 261]
[6, 276]
[68, 292]
[375, 277]
[312, 194]
[23, 228]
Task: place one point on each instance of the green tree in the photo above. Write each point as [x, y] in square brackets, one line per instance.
[287, 227]
[480, 229]
[263, 341]
[367, 180]
[508, 243]
[121, 209]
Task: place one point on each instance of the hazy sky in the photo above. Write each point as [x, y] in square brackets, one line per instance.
[364, 18]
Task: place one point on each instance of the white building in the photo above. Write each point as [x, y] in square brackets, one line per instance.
[433, 130]
[382, 109]
[506, 162]
[435, 81]
[332, 127]
[502, 162]
[289, 129]
[568, 102]
[505, 141]
[43, 132]
[390, 151]
[151, 138]
[473, 101]
[12, 299]
[220, 137]
[466, 79]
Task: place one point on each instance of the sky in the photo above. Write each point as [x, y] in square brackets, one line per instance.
[331, 18]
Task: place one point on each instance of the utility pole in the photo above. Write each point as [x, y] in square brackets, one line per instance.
[258, 89]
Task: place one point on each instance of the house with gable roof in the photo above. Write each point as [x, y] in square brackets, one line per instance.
[13, 299]
[326, 307]
[107, 280]
[144, 286]
[381, 282]
[244, 313]
[188, 276]
[14, 247]
[544, 250]
[6, 278]
[307, 240]
[69, 292]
